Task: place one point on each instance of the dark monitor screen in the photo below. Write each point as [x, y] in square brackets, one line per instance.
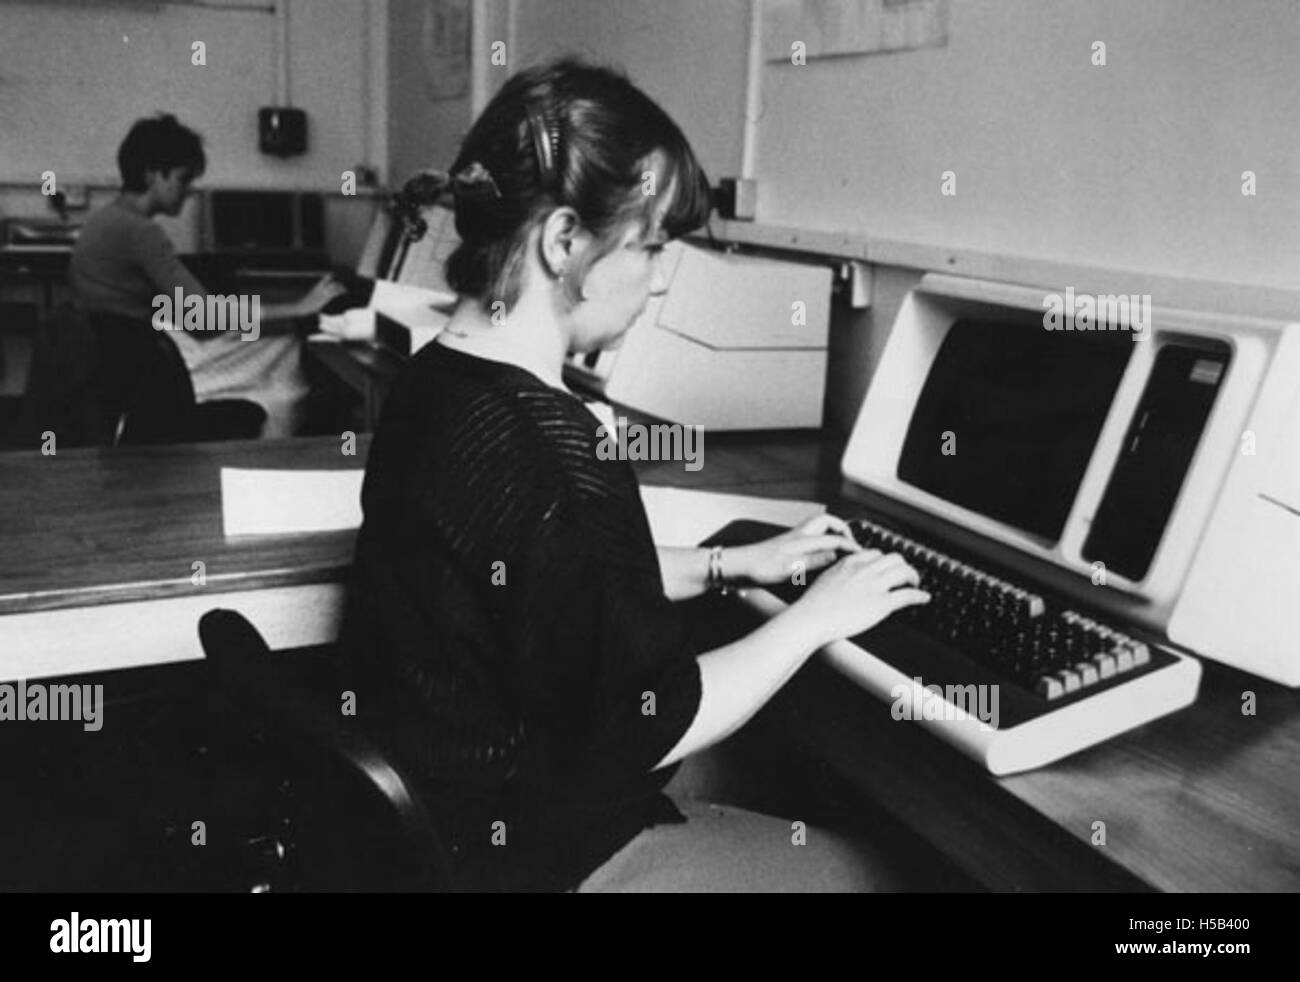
[252, 220]
[1008, 417]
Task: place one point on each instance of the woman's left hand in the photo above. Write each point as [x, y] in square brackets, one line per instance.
[815, 544]
[322, 292]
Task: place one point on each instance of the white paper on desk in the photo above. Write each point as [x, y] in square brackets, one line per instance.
[423, 311]
[284, 502]
[357, 324]
[401, 300]
[681, 517]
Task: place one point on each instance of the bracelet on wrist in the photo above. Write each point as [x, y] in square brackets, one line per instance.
[717, 578]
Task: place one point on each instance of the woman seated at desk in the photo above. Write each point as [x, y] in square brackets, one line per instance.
[123, 260]
[509, 610]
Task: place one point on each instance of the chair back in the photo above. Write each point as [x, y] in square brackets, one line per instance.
[308, 710]
[62, 394]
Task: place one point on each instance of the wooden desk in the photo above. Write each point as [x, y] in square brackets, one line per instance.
[1207, 799]
[365, 368]
[47, 268]
[97, 570]
[1203, 800]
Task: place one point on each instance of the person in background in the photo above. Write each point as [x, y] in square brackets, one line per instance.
[123, 259]
[511, 626]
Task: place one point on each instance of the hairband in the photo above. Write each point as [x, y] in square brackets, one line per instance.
[474, 182]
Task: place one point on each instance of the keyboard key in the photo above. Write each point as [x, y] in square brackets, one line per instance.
[1070, 680]
[1006, 626]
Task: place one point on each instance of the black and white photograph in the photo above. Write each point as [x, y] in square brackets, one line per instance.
[651, 446]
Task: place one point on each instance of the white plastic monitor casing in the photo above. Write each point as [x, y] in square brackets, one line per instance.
[735, 343]
[1225, 579]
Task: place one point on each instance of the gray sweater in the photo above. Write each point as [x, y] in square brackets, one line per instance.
[122, 260]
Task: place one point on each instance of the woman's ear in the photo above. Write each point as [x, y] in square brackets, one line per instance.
[560, 241]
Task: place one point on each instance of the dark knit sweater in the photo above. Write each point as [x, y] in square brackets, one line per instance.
[507, 620]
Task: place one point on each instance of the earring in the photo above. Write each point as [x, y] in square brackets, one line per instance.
[562, 277]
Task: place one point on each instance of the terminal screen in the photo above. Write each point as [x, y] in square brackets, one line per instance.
[1008, 418]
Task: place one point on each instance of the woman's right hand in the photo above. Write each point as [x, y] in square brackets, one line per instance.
[856, 594]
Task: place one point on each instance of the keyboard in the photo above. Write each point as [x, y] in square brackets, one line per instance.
[1012, 676]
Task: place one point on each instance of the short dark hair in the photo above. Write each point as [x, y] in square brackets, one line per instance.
[158, 143]
[601, 131]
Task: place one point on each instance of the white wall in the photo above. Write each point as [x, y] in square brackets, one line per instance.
[1135, 166]
[73, 77]
[688, 55]
[422, 132]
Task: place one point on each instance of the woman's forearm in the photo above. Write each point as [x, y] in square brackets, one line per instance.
[284, 314]
[738, 679]
[685, 571]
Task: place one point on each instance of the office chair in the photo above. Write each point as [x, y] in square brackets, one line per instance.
[139, 374]
[97, 380]
[302, 708]
[61, 395]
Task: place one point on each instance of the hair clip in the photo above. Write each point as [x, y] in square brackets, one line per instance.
[546, 144]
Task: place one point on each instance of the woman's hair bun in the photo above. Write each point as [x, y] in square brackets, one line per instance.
[472, 185]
